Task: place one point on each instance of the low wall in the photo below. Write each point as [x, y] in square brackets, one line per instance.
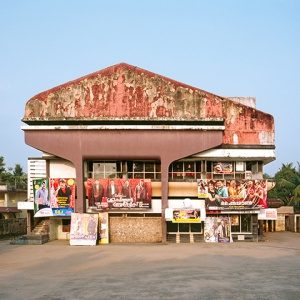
[135, 230]
[13, 227]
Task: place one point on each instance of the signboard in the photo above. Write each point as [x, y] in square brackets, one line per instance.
[116, 193]
[54, 196]
[26, 205]
[83, 229]
[233, 194]
[182, 215]
[268, 214]
[217, 230]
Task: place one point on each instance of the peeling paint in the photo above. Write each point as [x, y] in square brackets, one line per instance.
[127, 92]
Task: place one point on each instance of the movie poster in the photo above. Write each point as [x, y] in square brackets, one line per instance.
[62, 196]
[222, 168]
[83, 229]
[185, 215]
[42, 206]
[116, 193]
[223, 230]
[103, 228]
[233, 194]
[217, 230]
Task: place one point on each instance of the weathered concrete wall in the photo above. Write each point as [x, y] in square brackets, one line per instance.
[280, 222]
[135, 230]
[124, 92]
[13, 227]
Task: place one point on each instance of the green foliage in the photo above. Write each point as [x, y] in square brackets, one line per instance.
[14, 176]
[2, 165]
[287, 186]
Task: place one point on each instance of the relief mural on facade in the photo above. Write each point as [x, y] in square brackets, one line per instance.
[129, 93]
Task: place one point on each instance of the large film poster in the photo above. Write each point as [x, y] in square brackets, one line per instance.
[233, 194]
[54, 196]
[115, 193]
[83, 229]
[217, 230]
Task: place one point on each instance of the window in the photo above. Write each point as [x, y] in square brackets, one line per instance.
[185, 170]
[123, 169]
[184, 227]
[241, 223]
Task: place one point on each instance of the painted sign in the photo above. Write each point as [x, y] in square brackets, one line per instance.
[116, 193]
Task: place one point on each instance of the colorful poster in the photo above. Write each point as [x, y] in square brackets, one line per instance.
[234, 194]
[222, 168]
[116, 193]
[83, 229]
[217, 230]
[182, 215]
[202, 188]
[103, 228]
[210, 230]
[41, 198]
[62, 196]
[223, 230]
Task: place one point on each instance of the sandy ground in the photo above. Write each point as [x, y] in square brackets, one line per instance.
[56, 270]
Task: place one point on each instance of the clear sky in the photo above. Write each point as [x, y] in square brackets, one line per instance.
[229, 48]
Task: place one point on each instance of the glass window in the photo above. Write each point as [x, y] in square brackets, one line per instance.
[183, 227]
[241, 223]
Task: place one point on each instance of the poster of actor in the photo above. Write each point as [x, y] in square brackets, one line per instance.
[41, 194]
[210, 230]
[103, 228]
[110, 193]
[182, 215]
[62, 196]
[236, 194]
[223, 230]
[222, 168]
[202, 188]
[83, 229]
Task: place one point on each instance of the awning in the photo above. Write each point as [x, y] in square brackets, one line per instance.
[9, 209]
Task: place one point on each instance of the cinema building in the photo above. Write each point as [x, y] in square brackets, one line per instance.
[165, 141]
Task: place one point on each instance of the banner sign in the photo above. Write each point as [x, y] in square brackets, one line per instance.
[217, 230]
[54, 197]
[83, 229]
[183, 215]
[116, 193]
[268, 214]
[233, 194]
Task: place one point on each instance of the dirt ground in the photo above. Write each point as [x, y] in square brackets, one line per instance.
[245, 270]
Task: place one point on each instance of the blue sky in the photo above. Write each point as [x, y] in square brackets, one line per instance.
[229, 48]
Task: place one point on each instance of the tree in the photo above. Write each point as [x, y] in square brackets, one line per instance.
[2, 165]
[14, 176]
[287, 186]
